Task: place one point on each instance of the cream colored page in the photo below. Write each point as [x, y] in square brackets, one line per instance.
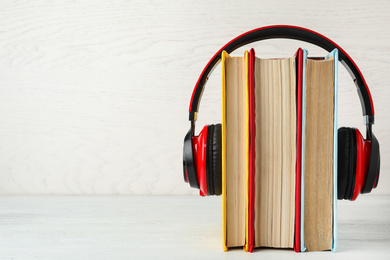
[275, 121]
[289, 127]
[235, 151]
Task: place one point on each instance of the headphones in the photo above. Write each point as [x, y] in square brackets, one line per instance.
[358, 158]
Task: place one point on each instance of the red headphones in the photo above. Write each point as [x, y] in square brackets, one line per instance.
[358, 158]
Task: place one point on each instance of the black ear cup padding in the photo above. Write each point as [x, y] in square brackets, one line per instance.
[209, 161]
[217, 159]
[214, 160]
[342, 163]
[347, 153]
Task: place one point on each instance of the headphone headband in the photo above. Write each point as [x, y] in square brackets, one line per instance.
[288, 32]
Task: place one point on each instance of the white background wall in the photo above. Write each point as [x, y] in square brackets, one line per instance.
[94, 95]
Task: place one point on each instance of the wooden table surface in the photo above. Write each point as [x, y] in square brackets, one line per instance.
[163, 227]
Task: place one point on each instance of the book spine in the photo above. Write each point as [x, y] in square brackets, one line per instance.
[297, 230]
[251, 148]
[224, 234]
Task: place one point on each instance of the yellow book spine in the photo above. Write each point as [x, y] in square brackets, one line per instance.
[246, 55]
[224, 235]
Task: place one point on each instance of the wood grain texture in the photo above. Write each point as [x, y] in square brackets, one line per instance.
[94, 95]
[163, 227]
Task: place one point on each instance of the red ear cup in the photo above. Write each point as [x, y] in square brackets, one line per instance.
[202, 162]
[353, 163]
[374, 164]
[362, 163]
[199, 146]
[188, 162]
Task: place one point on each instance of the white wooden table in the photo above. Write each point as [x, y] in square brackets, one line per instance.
[163, 227]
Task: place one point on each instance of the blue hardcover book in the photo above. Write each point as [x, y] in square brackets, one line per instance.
[319, 153]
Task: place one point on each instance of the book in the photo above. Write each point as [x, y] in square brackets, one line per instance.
[275, 164]
[319, 153]
[275, 146]
[251, 152]
[234, 143]
[298, 167]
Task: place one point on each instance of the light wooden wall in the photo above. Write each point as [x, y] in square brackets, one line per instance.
[94, 95]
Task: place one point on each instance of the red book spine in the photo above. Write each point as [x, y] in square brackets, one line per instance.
[252, 136]
[297, 235]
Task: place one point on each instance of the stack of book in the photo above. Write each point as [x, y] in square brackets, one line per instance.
[279, 151]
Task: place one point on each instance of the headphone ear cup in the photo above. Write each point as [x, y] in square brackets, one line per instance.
[217, 159]
[347, 153]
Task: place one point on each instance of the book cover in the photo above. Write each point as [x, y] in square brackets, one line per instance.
[297, 228]
[251, 150]
[319, 96]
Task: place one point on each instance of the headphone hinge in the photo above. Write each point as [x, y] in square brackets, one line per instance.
[192, 116]
[369, 131]
[369, 120]
[192, 129]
